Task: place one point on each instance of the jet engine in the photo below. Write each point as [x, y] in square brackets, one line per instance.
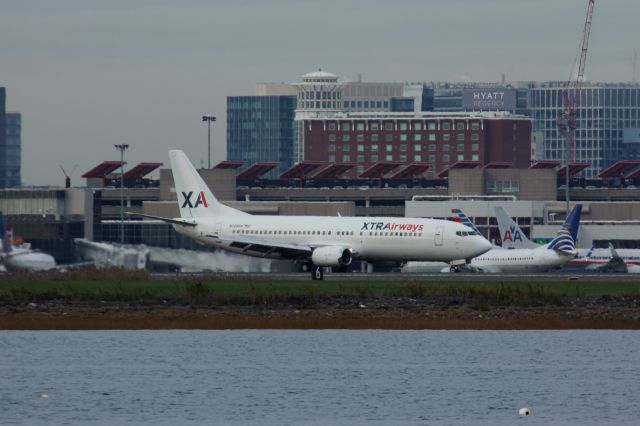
[331, 256]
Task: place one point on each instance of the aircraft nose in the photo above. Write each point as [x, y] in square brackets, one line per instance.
[482, 245]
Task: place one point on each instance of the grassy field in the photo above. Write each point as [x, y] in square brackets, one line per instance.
[117, 286]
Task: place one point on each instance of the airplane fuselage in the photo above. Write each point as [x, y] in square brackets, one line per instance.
[375, 238]
[498, 260]
[520, 260]
[29, 260]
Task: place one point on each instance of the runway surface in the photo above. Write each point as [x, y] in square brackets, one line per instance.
[394, 276]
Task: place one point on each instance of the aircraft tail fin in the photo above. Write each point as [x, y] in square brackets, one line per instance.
[460, 217]
[511, 235]
[195, 199]
[567, 236]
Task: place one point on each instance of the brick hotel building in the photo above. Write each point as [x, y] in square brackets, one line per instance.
[440, 139]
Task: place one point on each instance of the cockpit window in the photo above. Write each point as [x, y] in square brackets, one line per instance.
[466, 233]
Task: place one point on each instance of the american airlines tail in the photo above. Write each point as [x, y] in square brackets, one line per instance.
[511, 235]
[460, 217]
[194, 197]
[567, 236]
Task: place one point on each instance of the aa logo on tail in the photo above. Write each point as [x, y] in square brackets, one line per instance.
[512, 234]
[200, 200]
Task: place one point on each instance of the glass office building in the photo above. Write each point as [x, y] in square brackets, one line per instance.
[3, 138]
[608, 123]
[9, 145]
[260, 129]
[11, 151]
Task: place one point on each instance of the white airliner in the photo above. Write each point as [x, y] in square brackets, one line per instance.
[314, 242]
[542, 258]
[609, 260]
[21, 259]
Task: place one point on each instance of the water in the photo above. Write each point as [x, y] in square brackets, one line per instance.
[319, 377]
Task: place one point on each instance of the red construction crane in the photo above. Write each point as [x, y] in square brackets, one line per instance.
[571, 94]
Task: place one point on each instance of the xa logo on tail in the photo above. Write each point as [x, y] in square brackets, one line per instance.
[187, 200]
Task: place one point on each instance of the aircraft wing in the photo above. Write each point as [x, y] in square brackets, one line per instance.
[264, 246]
[72, 266]
[183, 222]
[486, 269]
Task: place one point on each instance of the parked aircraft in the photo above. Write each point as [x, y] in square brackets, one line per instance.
[542, 258]
[605, 260]
[609, 260]
[21, 258]
[314, 242]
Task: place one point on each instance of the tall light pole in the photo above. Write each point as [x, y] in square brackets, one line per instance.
[208, 119]
[121, 148]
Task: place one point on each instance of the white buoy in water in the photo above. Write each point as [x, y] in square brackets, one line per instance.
[524, 412]
[44, 396]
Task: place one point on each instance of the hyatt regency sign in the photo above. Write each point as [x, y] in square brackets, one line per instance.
[491, 99]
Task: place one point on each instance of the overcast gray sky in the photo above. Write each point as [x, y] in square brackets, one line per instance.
[89, 74]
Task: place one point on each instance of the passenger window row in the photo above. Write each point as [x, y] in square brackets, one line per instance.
[328, 233]
[285, 232]
[393, 234]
